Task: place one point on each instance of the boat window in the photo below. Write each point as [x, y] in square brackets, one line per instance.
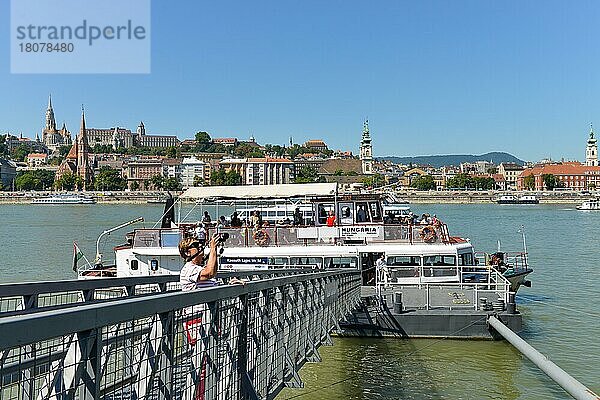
[346, 214]
[289, 213]
[263, 213]
[169, 239]
[404, 260]
[375, 209]
[147, 238]
[279, 261]
[362, 215]
[439, 260]
[311, 262]
[154, 265]
[133, 265]
[323, 212]
[271, 213]
[465, 259]
[341, 262]
[281, 213]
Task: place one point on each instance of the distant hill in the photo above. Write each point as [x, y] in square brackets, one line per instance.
[496, 157]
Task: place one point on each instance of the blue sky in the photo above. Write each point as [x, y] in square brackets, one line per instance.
[433, 77]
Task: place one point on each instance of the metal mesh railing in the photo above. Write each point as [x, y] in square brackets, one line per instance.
[226, 342]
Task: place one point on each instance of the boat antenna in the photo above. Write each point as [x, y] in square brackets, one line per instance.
[522, 232]
[498, 246]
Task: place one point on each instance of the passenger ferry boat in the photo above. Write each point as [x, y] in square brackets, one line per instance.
[65, 199]
[414, 254]
[525, 199]
[590, 205]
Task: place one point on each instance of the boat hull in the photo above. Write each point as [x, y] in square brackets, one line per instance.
[517, 279]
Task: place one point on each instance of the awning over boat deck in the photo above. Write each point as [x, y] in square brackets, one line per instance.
[261, 191]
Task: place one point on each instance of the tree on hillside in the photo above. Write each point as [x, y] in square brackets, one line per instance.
[3, 146]
[20, 152]
[171, 184]
[424, 182]
[308, 174]
[375, 180]
[222, 178]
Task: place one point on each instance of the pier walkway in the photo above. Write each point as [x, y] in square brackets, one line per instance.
[142, 338]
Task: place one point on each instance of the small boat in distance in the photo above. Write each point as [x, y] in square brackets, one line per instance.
[65, 199]
[158, 200]
[527, 199]
[506, 200]
[590, 205]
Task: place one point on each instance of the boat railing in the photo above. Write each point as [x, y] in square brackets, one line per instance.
[277, 235]
[433, 287]
[513, 260]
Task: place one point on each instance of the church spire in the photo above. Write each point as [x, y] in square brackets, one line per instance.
[591, 131]
[50, 122]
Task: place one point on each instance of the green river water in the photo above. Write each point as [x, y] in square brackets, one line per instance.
[561, 310]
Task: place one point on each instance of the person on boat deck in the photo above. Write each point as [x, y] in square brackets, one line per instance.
[222, 222]
[298, 217]
[256, 219]
[331, 219]
[206, 218]
[361, 214]
[382, 270]
[200, 233]
[236, 222]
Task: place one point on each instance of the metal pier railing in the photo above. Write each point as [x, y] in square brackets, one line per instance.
[226, 342]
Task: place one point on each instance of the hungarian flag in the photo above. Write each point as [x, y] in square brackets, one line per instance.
[77, 255]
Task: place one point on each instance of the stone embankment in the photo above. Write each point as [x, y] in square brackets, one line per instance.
[482, 197]
[412, 196]
[101, 197]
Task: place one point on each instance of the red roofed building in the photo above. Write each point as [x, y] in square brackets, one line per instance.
[573, 175]
[37, 159]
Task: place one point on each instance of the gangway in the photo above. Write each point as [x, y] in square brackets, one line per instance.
[230, 341]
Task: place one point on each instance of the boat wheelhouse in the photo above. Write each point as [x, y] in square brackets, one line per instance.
[506, 199]
[528, 199]
[413, 254]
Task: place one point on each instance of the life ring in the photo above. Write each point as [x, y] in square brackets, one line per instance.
[261, 237]
[428, 234]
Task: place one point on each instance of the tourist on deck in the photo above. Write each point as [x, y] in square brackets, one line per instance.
[331, 219]
[222, 223]
[200, 232]
[382, 270]
[236, 222]
[206, 218]
[298, 220]
[256, 220]
[361, 214]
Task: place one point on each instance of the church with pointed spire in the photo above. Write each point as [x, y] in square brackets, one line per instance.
[591, 150]
[52, 137]
[77, 161]
[366, 150]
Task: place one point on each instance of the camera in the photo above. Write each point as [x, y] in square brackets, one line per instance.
[222, 237]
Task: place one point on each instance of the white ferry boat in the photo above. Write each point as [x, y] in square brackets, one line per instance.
[65, 199]
[590, 205]
[527, 199]
[414, 254]
[506, 199]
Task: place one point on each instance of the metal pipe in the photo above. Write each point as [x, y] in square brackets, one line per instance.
[109, 231]
[571, 385]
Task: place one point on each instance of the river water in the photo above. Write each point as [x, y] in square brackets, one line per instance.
[561, 310]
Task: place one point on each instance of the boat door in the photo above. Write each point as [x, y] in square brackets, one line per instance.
[367, 267]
